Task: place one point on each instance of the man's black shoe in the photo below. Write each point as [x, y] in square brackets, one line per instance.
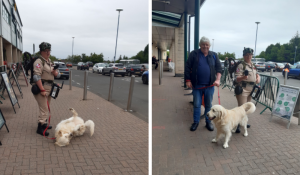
[209, 126]
[194, 126]
[40, 130]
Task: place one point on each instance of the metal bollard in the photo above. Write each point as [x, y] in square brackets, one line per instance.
[271, 72]
[130, 93]
[159, 74]
[111, 85]
[85, 85]
[285, 77]
[161, 67]
[70, 79]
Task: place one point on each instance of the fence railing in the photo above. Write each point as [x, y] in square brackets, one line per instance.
[269, 89]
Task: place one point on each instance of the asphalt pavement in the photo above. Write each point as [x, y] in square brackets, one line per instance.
[99, 84]
[291, 81]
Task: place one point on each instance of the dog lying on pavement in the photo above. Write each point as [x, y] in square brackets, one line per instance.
[226, 121]
[72, 127]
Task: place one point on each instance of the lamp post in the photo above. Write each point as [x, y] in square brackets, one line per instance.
[72, 48]
[256, 39]
[213, 45]
[295, 53]
[119, 10]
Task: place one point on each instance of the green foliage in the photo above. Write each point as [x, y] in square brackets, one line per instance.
[99, 58]
[226, 54]
[284, 52]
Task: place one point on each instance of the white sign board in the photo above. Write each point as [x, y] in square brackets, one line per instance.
[285, 102]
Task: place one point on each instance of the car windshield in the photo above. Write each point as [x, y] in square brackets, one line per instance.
[62, 66]
[119, 65]
[279, 64]
[146, 65]
[260, 63]
[136, 67]
[293, 67]
[101, 65]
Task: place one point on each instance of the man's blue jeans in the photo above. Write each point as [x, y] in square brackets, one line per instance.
[197, 96]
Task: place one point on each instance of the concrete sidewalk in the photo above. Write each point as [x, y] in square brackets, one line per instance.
[118, 146]
[270, 148]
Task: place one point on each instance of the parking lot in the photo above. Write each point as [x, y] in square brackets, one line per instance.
[99, 84]
[291, 81]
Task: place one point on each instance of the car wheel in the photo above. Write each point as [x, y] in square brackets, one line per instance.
[123, 75]
[67, 78]
[103, 72]
[144, 80]
[129, 74]
[93, 71]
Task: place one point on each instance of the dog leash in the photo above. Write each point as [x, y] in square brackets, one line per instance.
[211, 86]
[49, 121]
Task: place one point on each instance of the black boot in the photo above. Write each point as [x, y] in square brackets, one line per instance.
[50, 127]
[41, 129]
[238, 129]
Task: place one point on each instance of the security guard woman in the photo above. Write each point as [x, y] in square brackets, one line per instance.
[43, 77]
[247, 81]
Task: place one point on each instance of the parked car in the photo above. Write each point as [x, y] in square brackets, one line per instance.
[279, 67]
[63, 70]
[145, 77]
[69, 64]
[269, 66]
[298, 63]
[222, 65]
[98, 67]
[293, 72]
[260, 66]
[90, 64]
[116, 68]
[135, 69]
[145, 67]
[82, 66]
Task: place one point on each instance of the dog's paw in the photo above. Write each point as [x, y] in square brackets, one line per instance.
[233, 131]
[71, 109]
[245, 134]
[214, 140]
[225, 145]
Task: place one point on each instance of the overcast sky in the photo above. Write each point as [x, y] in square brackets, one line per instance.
[232, 23]
[93, 23]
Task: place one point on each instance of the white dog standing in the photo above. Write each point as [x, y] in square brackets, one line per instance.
[226, 120]
[73, 126]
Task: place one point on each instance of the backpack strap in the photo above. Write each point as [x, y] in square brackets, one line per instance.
[244, 65]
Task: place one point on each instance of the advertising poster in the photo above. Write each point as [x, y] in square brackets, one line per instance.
[285, 102]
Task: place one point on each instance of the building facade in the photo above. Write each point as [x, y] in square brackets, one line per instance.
[11, 36]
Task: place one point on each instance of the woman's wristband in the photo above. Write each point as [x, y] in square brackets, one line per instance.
[43, 90]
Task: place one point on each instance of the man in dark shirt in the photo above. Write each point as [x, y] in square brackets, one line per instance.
[226, 63]
[203, 70]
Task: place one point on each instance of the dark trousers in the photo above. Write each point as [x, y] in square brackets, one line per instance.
[156, 65]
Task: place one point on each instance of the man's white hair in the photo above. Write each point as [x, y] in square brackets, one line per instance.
[204, 40]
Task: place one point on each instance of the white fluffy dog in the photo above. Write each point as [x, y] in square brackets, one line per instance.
[72, 127]
[226, 121]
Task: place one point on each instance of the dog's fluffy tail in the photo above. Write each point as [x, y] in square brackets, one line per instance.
[91, 125]
[74, 112]
[249, 107]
